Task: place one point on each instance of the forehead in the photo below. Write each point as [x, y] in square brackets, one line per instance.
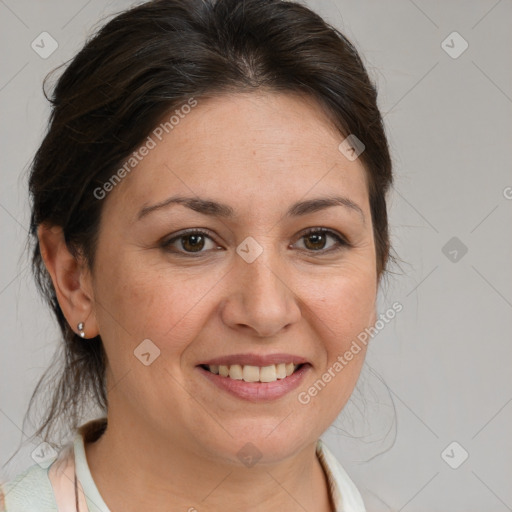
[250, 149]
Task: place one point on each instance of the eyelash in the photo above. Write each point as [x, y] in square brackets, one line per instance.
[341, 241]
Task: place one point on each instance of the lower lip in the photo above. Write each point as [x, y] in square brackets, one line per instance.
[257, 391]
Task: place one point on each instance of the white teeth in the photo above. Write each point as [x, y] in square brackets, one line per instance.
[268, 373]
[249, 373]
[235, 372]
[281, 370]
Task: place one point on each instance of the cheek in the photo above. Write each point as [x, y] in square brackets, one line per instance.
[138, 301]
[343, 309]
[345, 305]
[153, 303]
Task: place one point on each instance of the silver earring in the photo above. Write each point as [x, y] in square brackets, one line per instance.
[80, 327]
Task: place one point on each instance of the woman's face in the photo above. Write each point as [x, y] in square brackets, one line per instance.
[254, 283]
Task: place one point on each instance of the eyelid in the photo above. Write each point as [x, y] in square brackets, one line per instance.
[329, 231]
[166, 242]
[342, 241]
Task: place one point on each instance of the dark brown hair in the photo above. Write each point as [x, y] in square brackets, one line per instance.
[146, 62]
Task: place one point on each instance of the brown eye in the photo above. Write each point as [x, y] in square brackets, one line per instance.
[316, 240]
[190, 242]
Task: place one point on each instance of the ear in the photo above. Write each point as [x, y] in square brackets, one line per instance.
[71, 280]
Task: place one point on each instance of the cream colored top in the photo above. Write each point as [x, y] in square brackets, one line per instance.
[52, 489]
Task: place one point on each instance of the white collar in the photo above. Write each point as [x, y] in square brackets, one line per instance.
[344, 493]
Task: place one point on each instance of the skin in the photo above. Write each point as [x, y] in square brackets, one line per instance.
[172, 436]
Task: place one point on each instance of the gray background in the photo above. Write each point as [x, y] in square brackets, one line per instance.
[443, 364]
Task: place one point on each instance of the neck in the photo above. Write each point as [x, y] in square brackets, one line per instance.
[160, 472]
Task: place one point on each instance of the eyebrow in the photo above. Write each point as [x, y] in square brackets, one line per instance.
[215, 209]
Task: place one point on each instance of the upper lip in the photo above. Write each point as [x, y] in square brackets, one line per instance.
[255, 359]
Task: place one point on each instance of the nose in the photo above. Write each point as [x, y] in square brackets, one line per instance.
[260, 300]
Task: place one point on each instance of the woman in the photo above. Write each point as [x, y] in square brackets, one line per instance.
[210, 227]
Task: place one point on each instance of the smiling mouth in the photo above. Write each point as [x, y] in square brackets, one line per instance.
[249, 373]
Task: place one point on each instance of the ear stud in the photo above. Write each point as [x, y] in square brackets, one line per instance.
[80, 328]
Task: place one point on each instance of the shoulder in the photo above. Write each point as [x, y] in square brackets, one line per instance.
[45, 488]
[28, 491]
